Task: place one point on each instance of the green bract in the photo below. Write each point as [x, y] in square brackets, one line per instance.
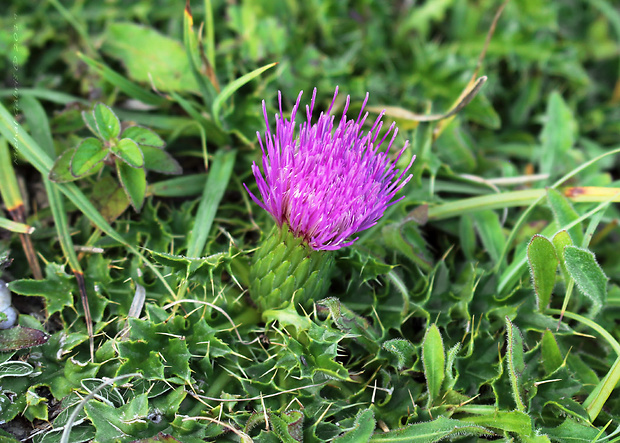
[286, 270]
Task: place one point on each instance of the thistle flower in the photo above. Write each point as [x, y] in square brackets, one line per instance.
[322, 185]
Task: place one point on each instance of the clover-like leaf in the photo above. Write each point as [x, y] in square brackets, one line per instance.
[143, 136]
[108, 125]
[88, 157]
[134, 183]
[129, 151]
[160, 161]
[61, 170]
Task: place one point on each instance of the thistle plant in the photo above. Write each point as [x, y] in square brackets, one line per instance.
[321, 184]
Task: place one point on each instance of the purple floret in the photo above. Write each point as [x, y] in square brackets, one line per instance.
[327, 184]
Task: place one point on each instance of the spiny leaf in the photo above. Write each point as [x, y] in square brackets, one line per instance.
[362, 429]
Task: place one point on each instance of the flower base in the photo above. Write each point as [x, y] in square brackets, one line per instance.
[286, 270]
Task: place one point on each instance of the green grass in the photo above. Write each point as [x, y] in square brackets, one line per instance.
[484, 305]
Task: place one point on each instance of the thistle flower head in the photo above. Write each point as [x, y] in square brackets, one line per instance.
[326, 183]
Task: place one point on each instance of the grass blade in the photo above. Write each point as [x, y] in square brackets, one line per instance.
[19, 228]
[230, 89]
[9, 190]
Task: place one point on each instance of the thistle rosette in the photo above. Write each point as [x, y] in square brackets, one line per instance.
[321, 184]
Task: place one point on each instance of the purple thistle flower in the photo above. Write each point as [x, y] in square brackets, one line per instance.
[327, 184]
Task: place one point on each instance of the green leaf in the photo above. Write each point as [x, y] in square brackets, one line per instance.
[61, 170]
[516, 365]
[143, 136]
[36, 406]
[558, 135]
[403, 349]
[122, 83]
[109, 197]
[91, 123]
[15, 369]
[551, 355]
[219, 176]
[89, 154]
[108, 125]
[133, 181]
[363, 428]
[432, 431]
[564, 214]
[113, 423]
[509, 421]
[128, 150]
[543, 264]
[560, 241]
[158, 160]
[490, 232]
[230, 89]
[434, 359]
[571, 431]
[184, 186]
[588, 275]
[140, 357]
[149, 56]
[56, 288]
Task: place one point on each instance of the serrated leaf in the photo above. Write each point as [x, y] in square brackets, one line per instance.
[61, 170]
[133, 181]
[158, 160]
[431, 431]
[128, 150]
[87, 156]
[140, 357]
[588, 275]
[112, 423]
[108, 125]
[56, 288]
[143, 136]
[564, 214]
[363, 428]
[543, 264]
[515, 362]
[434, 360]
